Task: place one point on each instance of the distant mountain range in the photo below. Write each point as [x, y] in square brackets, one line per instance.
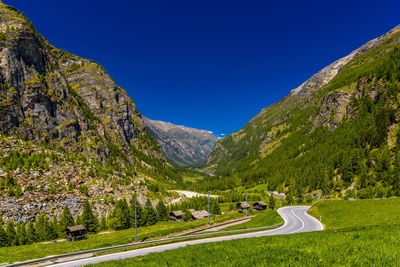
[182, 146]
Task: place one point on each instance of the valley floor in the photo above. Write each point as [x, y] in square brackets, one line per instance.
[359, 233]
[159, 230]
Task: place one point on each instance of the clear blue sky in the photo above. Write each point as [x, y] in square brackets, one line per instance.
[210, 64]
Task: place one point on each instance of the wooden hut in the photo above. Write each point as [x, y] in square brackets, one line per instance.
[242, 206]
[75, 233]
[260, 205]
[176, 215]
[199, 214]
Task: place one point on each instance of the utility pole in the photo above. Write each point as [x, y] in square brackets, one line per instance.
[137, 206]
[208, 208]
[246, 204]
[135, 220]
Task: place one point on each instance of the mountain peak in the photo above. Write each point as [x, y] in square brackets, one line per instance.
[181, 145]
[324, 76]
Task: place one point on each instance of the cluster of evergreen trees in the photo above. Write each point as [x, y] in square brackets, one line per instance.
[44, 229]
[123, 216]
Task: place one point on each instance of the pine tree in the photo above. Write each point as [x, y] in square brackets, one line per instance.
[89, 220]
[103, 223]
[40, 228]
[122, 215]
[11, 234]
[66, 219]
[151, 215]
[78, 220]
[272, 204]
[58, 228]
[21, 234]
[162, 211]
[140, 214]
[187, 215]
[31, 233]
[215, 209]
[4, 242]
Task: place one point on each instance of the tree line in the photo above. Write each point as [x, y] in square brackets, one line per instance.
[43, 228]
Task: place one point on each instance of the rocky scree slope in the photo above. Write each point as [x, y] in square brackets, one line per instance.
[182, 146]
[336, 132]
[35, 180]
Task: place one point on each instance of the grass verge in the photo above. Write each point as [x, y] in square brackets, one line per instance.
[359, 233]
[37, 250]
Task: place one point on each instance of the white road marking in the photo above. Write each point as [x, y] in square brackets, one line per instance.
[287, 213]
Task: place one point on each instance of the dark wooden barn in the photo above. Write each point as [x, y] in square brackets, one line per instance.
[75, 233]
[260, 205]
[242, 206]
[176, 215]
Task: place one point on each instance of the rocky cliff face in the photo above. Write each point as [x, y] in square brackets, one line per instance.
[68, 130]
[182, 146]
[67, 102]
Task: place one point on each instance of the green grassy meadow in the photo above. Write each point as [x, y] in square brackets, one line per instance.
[340, 214]
[358, 233]
[37, 250]
[263, 218]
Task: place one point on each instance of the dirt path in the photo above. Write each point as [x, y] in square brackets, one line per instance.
[217, 228]
[190, 194]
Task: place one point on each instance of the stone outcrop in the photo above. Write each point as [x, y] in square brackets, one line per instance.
[67, 102]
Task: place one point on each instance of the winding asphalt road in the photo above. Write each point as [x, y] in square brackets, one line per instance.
[296, 221]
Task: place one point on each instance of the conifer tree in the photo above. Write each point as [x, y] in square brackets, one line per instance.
[140, 214]
[215, 209]
[57, 227]
[103, 223]
[66, 219]
[187, 215]
[162, 211]
[151, 215]
[4, 242]
[122, 215]
[40, 227]
[21, 233]
[78, 220]
[272, 204]
[31, 233]
[89, 220]
[11, 234]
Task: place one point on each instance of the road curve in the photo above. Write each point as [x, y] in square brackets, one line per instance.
[296, 220]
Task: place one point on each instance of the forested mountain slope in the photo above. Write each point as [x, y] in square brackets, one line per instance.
[337, 131]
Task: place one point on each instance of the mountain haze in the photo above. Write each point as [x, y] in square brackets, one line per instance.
[182, 146]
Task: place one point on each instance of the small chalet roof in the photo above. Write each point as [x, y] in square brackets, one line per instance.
[177, 213]
[262, 203]
[243, 205]
[76, 228]
[199, 214]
